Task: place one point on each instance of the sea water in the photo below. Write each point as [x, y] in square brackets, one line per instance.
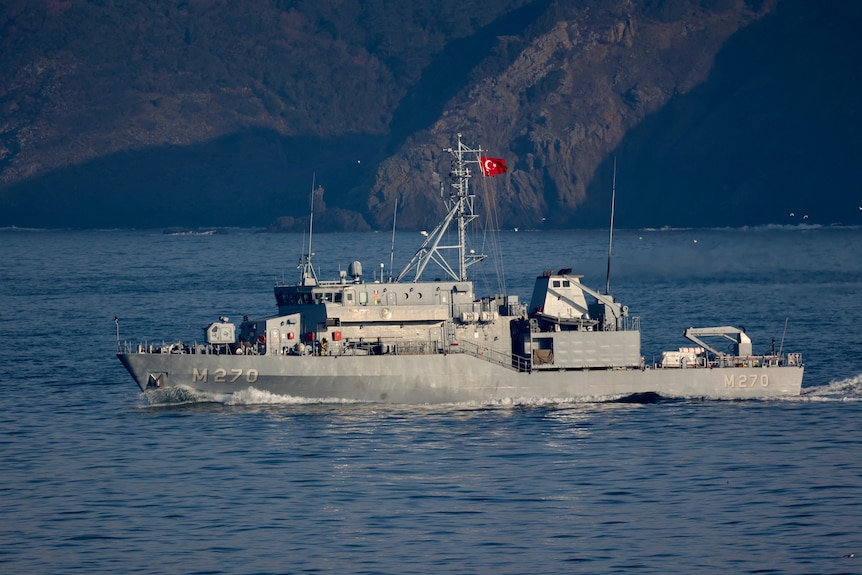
[97, 478]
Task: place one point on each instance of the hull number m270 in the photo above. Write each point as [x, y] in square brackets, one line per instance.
[744, 380]
[221, 375]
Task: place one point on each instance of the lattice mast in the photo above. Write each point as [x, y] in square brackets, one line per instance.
[461, 210]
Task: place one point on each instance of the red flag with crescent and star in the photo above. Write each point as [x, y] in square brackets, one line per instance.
[492, 166]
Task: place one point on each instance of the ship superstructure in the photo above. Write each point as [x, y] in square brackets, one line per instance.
[411, 340]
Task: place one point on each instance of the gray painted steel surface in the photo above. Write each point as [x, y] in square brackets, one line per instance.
[436, 342]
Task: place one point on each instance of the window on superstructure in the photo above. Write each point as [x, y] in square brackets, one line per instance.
[556, 283]
[338, 297]
[566, 283]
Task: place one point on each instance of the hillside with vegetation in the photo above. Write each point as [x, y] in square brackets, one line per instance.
[216, 113]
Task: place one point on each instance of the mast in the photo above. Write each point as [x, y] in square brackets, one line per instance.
[611, 234]
[461, 211]
[392, 250]
[308, 275]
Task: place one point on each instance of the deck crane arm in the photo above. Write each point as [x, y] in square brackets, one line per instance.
[611, 305]
[741, 341]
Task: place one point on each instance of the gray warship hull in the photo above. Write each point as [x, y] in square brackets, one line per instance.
[446, 378]
[405, 340]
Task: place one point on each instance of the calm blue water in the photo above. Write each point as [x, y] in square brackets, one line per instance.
[93, 479]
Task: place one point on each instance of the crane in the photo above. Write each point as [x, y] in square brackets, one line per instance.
[742, 343]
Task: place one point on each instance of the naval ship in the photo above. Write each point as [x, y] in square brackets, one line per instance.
[415, 341]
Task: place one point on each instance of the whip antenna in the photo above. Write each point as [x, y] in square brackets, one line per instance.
[392, 251]
[611, 235]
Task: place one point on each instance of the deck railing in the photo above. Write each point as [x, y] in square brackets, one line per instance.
[505, 359]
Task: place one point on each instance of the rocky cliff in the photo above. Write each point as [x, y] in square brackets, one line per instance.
[213, 113]
[561, 99]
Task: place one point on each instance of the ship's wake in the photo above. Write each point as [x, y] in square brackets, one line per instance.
[167, 396]
[174, 396]
[182, 396]
[849, 389]
[252, 396]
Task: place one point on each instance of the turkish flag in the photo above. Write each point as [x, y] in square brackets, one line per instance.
[492, 166]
